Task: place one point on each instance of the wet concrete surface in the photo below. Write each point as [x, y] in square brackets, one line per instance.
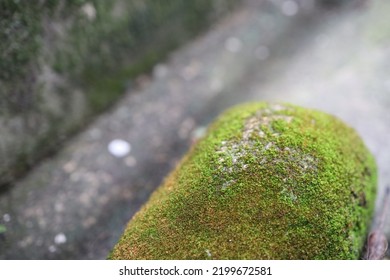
[76, 204]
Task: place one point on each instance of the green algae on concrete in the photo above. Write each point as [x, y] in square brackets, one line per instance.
[268, 181]
[63, 62]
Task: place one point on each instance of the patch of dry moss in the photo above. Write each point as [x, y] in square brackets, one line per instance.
[269, 181]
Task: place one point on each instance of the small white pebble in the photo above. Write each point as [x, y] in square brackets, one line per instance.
[60, 238]
[233, 45]
[119, 148]
[6, 217]
[290, 8]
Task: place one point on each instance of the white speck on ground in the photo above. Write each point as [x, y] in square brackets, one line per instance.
[119, 148]
[7, 217]
[89, 10]
[60, 238]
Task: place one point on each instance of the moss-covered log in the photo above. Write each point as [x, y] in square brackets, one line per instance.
[268, 181]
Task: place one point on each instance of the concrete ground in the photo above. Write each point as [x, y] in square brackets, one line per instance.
[76, 204]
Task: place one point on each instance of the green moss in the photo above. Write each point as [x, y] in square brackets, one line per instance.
[109, 56]
[3, 229]
[97, 84]
[267, 182]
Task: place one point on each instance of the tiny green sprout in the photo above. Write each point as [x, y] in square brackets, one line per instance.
[3, 229]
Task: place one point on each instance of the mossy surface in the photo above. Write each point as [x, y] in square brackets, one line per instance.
[268, 181]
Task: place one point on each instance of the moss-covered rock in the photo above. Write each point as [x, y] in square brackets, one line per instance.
[268, 181]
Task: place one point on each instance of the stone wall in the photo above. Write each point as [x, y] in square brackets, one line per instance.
[62, 62]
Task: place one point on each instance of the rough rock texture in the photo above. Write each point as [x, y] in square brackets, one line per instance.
[62, 62]
[268, 181]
